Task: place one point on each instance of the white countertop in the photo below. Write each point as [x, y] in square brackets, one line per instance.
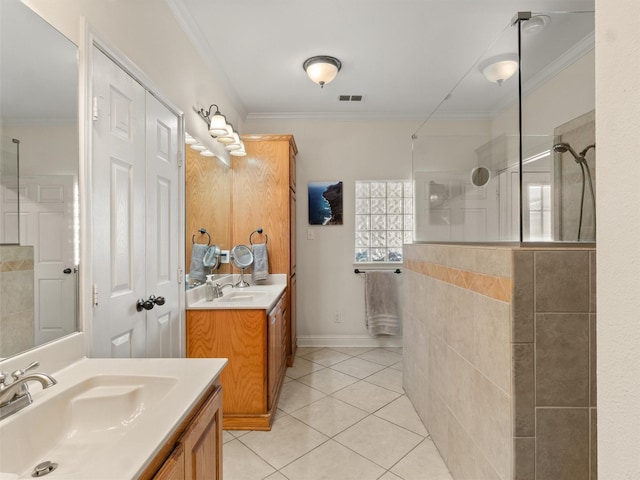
[65, 432]
[263, 296]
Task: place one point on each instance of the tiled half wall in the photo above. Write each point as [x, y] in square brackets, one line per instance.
[16, 299]
[499, 349]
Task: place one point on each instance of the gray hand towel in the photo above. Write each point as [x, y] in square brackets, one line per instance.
[196, 270]
[381, 303]
[260, 268]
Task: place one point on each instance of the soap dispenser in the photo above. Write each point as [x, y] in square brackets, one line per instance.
[209, 289]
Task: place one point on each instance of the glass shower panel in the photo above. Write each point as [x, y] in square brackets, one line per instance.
[509, 154]
[558, 101]
[465, 155]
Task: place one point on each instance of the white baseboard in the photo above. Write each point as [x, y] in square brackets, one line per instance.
[348, 341]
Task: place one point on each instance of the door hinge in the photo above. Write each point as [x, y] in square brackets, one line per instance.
[180, 158]
[94, 109]
[180, 274]
[95, 295]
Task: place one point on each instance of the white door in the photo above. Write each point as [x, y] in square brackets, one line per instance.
[118, 211]
[136, 219]
[47, 223]
[162, 226]
[47, 213]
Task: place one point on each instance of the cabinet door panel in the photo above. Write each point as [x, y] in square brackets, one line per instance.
[240, 336]
[203, 442]
[173, 468]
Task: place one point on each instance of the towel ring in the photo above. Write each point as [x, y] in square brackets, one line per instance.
[203, 231]
[259, 231]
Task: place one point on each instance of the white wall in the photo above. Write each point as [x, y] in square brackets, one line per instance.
[618, 208]
[347, 151]
[46, 150]
[148, 34]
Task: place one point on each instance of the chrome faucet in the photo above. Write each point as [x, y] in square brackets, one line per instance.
[217, 289]
[15, 395]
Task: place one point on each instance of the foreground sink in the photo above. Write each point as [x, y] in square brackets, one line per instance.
[79, 419]
[104, 419]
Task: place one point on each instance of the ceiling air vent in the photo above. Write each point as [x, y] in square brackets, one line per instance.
[351, 98]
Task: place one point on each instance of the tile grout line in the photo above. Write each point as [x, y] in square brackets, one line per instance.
[282, 413]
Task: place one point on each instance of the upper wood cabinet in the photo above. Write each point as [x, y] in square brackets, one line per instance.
[264, 196]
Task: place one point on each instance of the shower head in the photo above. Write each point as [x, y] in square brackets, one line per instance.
[564, 147]
[586, 149]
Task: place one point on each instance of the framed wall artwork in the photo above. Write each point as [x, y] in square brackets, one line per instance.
[325, 203]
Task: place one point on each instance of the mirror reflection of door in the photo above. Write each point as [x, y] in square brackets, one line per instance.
[47, 223]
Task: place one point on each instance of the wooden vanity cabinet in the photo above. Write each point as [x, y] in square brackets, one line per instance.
[264, 195]
[194, 452]
[254, 343]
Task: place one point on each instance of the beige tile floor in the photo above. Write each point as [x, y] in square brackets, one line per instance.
[342, 415]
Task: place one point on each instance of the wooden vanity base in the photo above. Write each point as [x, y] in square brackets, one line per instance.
[254, 343]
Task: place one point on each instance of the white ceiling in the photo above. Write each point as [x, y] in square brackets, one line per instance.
[403, 55]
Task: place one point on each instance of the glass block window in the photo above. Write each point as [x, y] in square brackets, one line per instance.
[384, 219]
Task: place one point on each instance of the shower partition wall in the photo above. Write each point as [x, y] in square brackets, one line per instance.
[484, 165]
[499, 335]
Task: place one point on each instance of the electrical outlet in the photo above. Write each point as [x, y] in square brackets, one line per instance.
[337, 318]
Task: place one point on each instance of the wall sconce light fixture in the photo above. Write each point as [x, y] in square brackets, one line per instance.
[222, 130]
[499, 68]
[322, 69]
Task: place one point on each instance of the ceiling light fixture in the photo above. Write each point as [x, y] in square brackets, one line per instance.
[499, 68]
[198, 147]
[322, 69]
[535, 24]
[188, 139]
[221, 129]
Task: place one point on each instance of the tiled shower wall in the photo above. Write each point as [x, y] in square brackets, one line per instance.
[495, 347]
[16, 294]
[554, 364]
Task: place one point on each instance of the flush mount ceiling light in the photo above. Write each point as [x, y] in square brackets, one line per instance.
[535, 24]
[322, 69]
[499, 68]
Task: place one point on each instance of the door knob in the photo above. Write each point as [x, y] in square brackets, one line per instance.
[143, 304]
[157, 300]
[67, 271]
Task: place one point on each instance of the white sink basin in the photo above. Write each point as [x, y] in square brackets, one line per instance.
[243, 297]
[105, 418]
[79, 420]
[255, 297]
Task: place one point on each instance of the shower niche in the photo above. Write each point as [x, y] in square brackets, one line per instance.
[484, 164]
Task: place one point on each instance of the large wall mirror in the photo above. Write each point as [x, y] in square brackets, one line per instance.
[208, 207]
[39, 234]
